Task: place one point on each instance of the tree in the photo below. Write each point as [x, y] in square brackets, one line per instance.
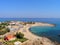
[7, 29]
[19, 35]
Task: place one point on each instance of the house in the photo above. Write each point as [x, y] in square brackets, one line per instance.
[14, 23]
[9, 37]
[17, 43]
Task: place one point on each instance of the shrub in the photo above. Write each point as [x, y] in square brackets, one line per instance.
[19, 35]
[3, 31]
[7, 29]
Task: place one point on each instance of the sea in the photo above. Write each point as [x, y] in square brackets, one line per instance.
[53, 33]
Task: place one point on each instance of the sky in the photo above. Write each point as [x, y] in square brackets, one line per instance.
[29, 8]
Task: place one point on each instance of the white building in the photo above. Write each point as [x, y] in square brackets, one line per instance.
[17, 43]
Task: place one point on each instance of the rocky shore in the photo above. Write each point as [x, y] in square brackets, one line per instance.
[43, 41]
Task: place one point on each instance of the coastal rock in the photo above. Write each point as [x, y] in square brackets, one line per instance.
[44, 41]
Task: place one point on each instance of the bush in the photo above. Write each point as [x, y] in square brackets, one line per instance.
[7, 29]
[3, 28]
[4, 23]
[19, 35]
[3, 31]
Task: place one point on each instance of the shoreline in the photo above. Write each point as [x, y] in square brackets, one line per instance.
[30, 36]
[26, 28]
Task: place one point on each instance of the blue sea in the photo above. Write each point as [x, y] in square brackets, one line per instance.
[45, 31]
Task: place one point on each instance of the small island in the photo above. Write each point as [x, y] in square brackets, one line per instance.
[17, 32]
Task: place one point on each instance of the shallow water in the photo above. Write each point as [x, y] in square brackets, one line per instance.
[50, 32]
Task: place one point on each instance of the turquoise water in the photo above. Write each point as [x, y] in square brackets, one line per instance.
[46, 31]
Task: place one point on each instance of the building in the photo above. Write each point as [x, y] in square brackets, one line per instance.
[17, 43]
[9, 37]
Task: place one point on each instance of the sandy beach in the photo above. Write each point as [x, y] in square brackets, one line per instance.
[28, 34]
[31, 37]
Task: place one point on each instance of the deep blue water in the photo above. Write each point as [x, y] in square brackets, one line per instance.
[50, 32]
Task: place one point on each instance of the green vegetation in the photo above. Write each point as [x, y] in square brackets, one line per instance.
[3, 28]
[12, 42]
[19, 35]
[21, 39]
[3, 31]
[3, 25]
[7, 29]
[28, 23]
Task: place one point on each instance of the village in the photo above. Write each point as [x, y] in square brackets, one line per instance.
[9, 32]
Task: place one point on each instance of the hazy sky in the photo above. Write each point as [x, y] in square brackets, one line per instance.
[30, 8]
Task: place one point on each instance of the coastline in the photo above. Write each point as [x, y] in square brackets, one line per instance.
[30, 36]
[25, 29]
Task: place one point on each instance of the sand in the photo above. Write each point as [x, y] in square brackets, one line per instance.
[31, 37]
[28, 34]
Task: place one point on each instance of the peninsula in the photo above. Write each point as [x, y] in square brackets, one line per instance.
[25, 37]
